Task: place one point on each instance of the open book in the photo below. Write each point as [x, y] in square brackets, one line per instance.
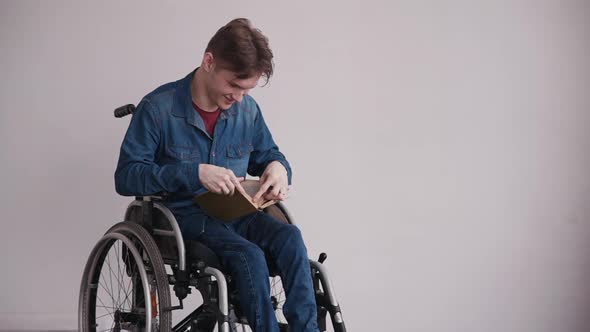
[239, 204]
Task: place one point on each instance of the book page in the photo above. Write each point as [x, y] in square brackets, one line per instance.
[251, 187]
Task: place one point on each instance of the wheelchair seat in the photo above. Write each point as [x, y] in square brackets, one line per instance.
[198, 252]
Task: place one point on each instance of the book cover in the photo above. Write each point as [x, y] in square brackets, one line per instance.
[227, 208]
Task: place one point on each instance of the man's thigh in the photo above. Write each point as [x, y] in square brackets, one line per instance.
[265, 230]
[239, 257]
[208, 230]
[252, 233]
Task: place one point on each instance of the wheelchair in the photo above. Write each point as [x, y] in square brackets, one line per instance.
[127, 280]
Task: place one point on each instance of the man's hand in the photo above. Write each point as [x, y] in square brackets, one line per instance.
[219, 180]
[275, 176]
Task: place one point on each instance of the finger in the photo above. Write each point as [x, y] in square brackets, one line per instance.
[261, 191]
[217, 189]
[263, 178]
[230, 185]
[268, 197]
[241, 179]
[281, 195]
[223, 189]
[236, 182]
[228, 178]
[286, 191]
[275, 191]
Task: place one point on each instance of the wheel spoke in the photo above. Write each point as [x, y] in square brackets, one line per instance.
[118, 269]
[129, 282]
[104, 306]
[120, 284]
[127, 299]
[107, 291]
[110, 274]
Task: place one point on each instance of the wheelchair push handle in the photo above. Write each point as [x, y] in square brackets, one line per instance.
[124, 110]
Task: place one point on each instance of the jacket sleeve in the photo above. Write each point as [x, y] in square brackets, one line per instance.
[137, 173]
[265, 150]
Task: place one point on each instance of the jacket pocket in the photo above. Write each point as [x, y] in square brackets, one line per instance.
[238, 156]
[183, 153]
[239, 150]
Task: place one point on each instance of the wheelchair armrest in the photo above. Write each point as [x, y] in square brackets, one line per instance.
[159, 196]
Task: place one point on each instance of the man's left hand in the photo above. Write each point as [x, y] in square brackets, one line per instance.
[275, 176]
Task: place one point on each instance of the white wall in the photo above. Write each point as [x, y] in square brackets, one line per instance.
[440, 149]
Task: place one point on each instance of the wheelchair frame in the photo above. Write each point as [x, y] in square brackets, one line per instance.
[213, 291]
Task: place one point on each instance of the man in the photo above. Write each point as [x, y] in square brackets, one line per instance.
[205, 132]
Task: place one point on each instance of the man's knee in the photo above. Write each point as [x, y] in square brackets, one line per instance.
[292, 239]
[253, 253]
[293, 233]
[248, 258]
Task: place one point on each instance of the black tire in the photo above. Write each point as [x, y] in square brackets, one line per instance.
[128, 275]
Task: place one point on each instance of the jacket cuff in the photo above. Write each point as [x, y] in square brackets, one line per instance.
[192, 173]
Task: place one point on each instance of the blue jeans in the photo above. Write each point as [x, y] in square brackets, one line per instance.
[241, 246]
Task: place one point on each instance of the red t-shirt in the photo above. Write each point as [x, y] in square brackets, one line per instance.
[209, 118]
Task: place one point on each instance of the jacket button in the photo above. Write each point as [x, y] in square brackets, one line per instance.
[213, 154]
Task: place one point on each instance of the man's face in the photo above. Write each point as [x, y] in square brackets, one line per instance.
[224, 88]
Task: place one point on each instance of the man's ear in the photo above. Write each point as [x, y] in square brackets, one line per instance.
[208, 62]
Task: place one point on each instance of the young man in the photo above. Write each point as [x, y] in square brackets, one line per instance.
[205, 132]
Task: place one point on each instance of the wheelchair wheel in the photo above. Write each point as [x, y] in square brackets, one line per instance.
[124, 269]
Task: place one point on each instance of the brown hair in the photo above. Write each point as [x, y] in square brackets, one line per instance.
[243, 49]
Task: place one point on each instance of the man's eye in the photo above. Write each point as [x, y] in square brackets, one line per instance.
[235, 86]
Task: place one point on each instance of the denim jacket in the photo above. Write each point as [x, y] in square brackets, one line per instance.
[167, 140]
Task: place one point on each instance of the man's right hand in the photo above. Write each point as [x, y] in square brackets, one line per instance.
[219, 180]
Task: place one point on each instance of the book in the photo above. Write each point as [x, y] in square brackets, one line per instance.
[227, 208]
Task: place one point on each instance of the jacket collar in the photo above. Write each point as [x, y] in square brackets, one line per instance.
[183, 104]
